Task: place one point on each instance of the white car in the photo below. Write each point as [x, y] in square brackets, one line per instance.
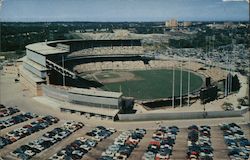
[91, 142]
[96, 138]
[109, 153]
[37, 146]
[112, 130]
[82, 139]
[86, 147]
[193, 157]
[49, 139]
[202, 154]
[158, 135]
[29, 153]
[123, 137]
[126, 133]
[160, 156]
[77, 152]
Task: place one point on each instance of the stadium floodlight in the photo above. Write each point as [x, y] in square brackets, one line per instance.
[63, 70]
[181, 86]
[189, 81]
[226, 80]
[173, 80]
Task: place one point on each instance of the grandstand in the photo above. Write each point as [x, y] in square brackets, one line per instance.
[117, 65]
[112, 50]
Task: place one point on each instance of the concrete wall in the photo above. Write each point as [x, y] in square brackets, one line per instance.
[41, 74]
[56, 93]
[94, 99]
[64, 95]
[175, 116]
[36, 57]
[33, 87]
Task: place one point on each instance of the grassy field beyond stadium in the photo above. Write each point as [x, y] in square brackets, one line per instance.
[151, 84]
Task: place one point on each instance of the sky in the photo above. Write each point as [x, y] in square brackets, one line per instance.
[123, 10]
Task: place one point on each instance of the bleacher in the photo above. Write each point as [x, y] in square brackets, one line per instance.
[117, 65]
[121, 50]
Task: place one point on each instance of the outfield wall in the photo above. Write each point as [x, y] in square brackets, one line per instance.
[179, 115]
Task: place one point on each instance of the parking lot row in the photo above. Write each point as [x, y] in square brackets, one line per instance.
[47, 140]
[211, 139]
[26, 130]
[161, 144]
[7, 111]
[82, 145]
[16, 119]
[237, 144]
[123, 145]
[199, 143]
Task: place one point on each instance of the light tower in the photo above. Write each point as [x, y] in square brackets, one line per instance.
[63, 70]
[189, 80]
[181, 86]
[173, 85]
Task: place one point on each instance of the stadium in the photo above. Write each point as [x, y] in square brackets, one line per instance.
[106, 77]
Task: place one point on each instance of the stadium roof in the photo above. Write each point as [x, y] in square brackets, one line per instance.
[44, 49]
[93, 92]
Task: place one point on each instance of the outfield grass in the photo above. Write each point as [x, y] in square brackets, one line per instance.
[154, 84]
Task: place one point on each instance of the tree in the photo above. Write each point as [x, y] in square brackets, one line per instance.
[235, 83]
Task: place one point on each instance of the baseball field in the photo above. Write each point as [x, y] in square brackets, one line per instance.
[148, 84]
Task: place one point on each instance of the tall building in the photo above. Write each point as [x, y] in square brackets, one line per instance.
[187, 24]
[171, 23]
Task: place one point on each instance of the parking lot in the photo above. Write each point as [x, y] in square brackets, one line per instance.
[46, 154]
[9, 148]
[179, 149]
[101, 147]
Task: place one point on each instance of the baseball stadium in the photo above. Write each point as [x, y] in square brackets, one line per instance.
[109, 77]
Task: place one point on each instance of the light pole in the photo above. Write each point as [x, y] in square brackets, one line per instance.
[173, 87]
[189, 81]
[181, 86]
[63, 70]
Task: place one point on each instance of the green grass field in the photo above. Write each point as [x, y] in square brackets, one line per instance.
[153, 84]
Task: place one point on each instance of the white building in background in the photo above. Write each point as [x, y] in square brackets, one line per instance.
[171, 23]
